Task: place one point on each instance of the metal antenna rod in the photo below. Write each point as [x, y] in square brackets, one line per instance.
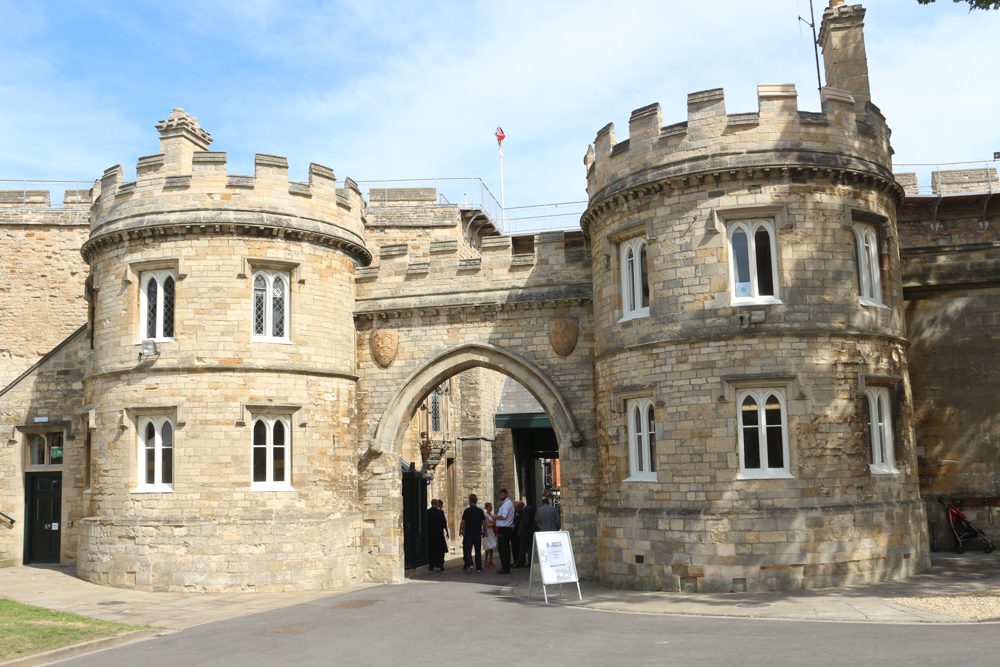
[812, 15]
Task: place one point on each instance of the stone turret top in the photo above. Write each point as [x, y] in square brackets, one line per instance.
[182, 124]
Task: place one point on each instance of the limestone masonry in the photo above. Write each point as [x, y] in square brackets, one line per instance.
[763, 355]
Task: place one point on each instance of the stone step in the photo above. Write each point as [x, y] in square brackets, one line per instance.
[6, 562]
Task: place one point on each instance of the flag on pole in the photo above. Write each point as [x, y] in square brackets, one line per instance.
[500, 136]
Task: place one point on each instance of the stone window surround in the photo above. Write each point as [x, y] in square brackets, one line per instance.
[273, 413]
[793, 401]
[881, 465]
[761, 396]
[269, 275]
[145, 278]
[621, 399]
[869, 273]
[141, 424]
[45, 429]
[750, 225]
[251, 411]
[614, 251]
[635, 431]
[133, 276]
[131, 418]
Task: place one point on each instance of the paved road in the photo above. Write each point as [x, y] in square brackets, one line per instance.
[459, 619]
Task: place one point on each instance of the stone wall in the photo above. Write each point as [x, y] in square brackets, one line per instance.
[41, 277]
[47, 400]
[951, 279]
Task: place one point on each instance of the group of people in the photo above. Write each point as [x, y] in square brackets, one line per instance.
[510, 530]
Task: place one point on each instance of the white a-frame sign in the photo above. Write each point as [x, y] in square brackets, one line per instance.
[555, 561]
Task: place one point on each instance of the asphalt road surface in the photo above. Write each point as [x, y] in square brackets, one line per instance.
[460, 619]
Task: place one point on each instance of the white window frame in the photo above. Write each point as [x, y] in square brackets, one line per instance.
[880, 434]
[866, 247]
[760, 395]
[632, 282]
[158, 486]
[641, 441]
[269, 484]
[160, 277]
[750, 228]
[269, 276]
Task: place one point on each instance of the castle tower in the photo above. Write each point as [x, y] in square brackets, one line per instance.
[750, 345]
[221, 386]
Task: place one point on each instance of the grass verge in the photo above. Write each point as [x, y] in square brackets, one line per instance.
[25, 629]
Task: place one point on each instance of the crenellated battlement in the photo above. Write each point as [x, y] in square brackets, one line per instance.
[188, 186]
[715, 144]
[417, 276]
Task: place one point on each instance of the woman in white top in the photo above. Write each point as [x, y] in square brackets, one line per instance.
[490, 539]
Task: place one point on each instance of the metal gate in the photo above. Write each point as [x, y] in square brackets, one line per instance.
[414, 519]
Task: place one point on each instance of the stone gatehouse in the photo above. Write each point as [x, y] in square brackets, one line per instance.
[222, 394]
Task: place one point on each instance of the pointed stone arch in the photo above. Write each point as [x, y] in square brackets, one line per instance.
[413, 390]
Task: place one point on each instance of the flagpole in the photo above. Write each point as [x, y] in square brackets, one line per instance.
[503, 209]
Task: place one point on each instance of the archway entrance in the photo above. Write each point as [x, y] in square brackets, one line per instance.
[453, 438]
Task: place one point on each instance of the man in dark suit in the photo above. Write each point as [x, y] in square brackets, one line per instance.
[437, 535]
[526, 535]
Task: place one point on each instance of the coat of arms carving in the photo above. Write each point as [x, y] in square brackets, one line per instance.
[384, 343]
[562, 335]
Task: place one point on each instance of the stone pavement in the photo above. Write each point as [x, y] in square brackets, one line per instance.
[56, 588]
[890, 602]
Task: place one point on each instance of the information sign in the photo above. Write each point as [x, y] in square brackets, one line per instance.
[555, 561]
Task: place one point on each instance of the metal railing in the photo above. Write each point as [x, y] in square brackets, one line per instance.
[464, 192]
[934, 178]
[8, 517]
[24, 194]
[544, 217]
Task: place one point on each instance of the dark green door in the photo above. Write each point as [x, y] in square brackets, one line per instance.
[44, 512]
[414, 519]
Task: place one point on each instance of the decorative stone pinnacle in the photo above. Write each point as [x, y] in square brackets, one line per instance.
[836, 3]
[182, 124]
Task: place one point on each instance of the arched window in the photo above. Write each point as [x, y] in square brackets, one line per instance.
[880, 431]
[156, 454]
[436, 411]
[157, 305]
[271, 454]
[753, 269]
[869, 273]
[642, 440]
[635, 279]
[763, 434]
[270, 305]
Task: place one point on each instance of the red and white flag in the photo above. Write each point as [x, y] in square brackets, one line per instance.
[500, 136]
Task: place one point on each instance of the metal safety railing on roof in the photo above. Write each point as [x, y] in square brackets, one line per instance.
[463, 192]
[37, 194]
[948, 178]
[544, 217]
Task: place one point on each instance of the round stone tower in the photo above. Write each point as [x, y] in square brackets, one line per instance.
[222, 381]
[750, 349]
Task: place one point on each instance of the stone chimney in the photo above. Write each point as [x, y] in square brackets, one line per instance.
[180, 137]
[842, 38]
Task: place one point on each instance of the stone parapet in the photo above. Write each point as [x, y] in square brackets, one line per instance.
[713, 146]
[181, 191]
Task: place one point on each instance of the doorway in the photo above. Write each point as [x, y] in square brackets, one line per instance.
[44, 505]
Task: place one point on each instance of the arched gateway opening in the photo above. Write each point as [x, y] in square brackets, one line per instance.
[426, 423]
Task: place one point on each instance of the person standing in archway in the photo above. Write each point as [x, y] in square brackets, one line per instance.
[471, 530]
[504, 519]
[437, 535]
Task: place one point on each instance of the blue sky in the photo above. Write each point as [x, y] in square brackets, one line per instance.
[415, 89]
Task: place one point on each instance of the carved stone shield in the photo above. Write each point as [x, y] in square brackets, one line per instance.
[384, 345]
[562, 335]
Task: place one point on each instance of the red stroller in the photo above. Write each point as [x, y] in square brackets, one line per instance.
[962, 528]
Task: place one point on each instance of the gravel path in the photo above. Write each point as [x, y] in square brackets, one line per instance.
[979, 605]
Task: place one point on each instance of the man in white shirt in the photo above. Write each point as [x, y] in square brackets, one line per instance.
[504, 518]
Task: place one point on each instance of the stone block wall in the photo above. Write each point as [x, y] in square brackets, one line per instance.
[41, 277]
[951, 269]
[47, 400]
